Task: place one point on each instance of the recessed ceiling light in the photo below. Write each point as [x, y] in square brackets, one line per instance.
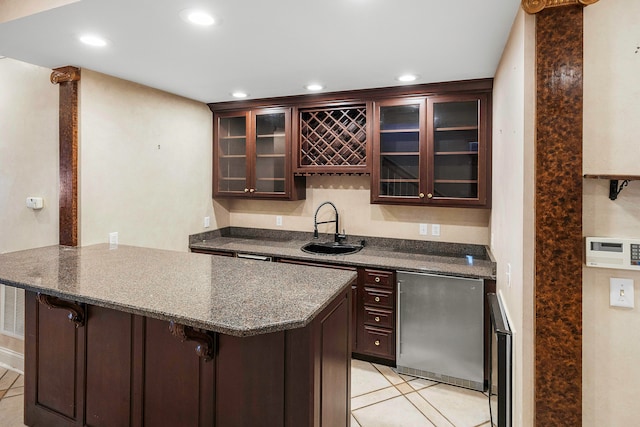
[197, 17]
[407, 78]
[314, 87]
[93, 40]
[239, 94]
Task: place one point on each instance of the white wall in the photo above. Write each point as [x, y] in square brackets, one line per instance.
[28, 156]
[28, 167]
[611, 336]
[351, 196]
[145, 165]
[512, 221]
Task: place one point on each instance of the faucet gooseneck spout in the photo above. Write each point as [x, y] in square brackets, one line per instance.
[337, 235]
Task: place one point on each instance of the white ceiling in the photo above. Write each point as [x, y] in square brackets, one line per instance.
[269, 47]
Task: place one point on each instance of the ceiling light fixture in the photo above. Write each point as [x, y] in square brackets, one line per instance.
[93, 40]
[239, 94]
[314, 87]
[407, 78]
[197, 17]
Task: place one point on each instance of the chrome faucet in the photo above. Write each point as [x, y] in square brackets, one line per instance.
[337, 236]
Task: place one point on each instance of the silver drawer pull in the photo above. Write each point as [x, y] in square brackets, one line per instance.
[377, 319]
[377, 279]
[377, 342]
[377, 299]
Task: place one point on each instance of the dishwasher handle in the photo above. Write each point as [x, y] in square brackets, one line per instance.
[255, 257]
[399, 321]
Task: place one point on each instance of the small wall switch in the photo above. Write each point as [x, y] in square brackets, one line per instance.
[424, 230]
[35, 202]
[621, 293]
[279, 220]
[207, 221]
[435, 229]
[509, 274]
[113, 239]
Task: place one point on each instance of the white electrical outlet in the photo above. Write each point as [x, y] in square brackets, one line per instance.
[113, 239]
[435, 229]
[508, 273]
[424, 230]
[207, 221]
[621, 292]
[279, 220]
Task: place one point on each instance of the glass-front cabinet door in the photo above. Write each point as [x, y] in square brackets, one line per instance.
[231, 167]
[252, 152]
[398, 150]
[457, 166]
[269, 157]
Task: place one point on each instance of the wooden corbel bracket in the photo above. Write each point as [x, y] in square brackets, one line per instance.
[76, 311]
[65, 74]
[535, 6]
[204, 341]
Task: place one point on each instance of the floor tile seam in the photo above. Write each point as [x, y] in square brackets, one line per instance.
[375, 403]
[373, 391]
[385, 377]
[433, 406]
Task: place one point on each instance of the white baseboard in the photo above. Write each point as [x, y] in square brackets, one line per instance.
[12, 360]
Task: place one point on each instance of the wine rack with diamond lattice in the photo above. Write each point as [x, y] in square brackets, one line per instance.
[333, 140]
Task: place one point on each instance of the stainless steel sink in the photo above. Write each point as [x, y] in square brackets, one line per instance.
[330, 248]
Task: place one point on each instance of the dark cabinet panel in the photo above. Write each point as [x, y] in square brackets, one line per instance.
[181, 397]
[54, 366]
[108, 364]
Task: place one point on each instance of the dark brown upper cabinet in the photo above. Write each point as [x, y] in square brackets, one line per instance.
[252, 155]
[432, 150]
[333, 139]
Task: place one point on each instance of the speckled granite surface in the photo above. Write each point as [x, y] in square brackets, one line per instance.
[227, 295]
[393, 254]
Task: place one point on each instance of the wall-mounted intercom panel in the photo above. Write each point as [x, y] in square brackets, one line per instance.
[613, 252]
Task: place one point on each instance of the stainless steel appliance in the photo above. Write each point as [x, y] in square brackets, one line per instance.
[441, 328]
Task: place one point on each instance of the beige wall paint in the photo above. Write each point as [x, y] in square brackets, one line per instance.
[611, 336]
[28, 167]
[145, 165]
[351, 196]
[14, 9]
[28, 156]
[511, 217]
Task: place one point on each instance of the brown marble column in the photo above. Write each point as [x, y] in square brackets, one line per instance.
[67, 78]
[558, 205]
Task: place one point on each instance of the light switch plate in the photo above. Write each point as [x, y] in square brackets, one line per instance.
[621, 293]
[435, 229]
[423, 229]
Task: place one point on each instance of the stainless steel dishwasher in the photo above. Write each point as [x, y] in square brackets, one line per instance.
[441, 328]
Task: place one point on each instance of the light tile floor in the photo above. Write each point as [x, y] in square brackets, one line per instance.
[382, 398]
[11, 398]
[379, 398]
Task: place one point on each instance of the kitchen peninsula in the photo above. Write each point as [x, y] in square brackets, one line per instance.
[135, 336]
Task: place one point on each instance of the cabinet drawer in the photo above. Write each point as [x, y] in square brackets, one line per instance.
[378, 278]
[378, 317]
[378, 297]
[378, 342]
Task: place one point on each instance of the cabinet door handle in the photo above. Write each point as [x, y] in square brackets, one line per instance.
[377, 279]
[377, 319]
[246, 190]
[377, 299]
[377, 342]
[421, 195]
[253, 190]
[430, 196]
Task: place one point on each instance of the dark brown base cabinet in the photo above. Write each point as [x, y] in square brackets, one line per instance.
[121, 369]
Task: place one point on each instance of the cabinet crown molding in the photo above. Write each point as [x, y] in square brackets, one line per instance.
[535, 6]
[65, 74]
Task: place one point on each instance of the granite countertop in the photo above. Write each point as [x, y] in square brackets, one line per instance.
[228, 295]
[473, 261]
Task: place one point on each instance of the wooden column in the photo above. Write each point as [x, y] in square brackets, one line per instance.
[67, 78]
[558, 205]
